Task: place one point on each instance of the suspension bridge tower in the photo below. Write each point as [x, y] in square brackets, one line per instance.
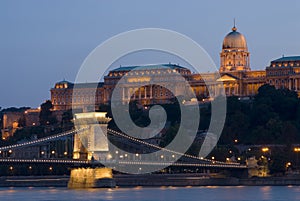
[93, 142]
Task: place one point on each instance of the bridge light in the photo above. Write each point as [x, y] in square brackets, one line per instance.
[11, 168]
[30, 168]
[50, 168]
[266, 149]
[162, 156]
[42, 152]
[136, 154]
[52, 152]
[65, 153]
[117, 152]
[297, 149]
[10, 151]
[213, 158]
[173, 156]
[239, 158]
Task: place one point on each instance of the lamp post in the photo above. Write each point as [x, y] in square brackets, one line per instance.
[297, 150]
[266, 150]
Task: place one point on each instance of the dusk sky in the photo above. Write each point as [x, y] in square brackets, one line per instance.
[42, 42]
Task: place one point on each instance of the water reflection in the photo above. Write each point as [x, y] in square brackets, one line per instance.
[211, 193]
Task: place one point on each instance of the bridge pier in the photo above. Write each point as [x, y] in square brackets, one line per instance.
[91, 178]
[92, 144]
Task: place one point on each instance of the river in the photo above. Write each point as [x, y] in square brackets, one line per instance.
[242, 193]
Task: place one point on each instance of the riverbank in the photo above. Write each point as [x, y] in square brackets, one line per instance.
[200, 180]
[34, 181]
[152, 180]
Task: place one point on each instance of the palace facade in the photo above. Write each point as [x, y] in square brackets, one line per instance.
[151, 84]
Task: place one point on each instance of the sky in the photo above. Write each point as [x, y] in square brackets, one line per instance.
[43, 42]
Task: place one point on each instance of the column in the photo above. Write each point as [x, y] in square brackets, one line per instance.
[215, 90]
[140, 93]
[296, 84]
[128, 93]
[151, 92]
[235, 89]
[134, 93]
[247, 89]
[123, 94]
[145, 88]
[290, 84]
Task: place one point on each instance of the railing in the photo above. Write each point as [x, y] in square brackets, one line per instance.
[201, 162]
[42, 140]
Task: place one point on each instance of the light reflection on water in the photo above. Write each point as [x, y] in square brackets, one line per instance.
[210, 193]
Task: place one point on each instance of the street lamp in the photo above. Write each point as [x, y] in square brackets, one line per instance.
[267, 150]
[297, 150]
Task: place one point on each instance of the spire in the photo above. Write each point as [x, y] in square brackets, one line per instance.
[234, 28]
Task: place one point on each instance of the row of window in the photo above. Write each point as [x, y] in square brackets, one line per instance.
[290, 64]
[138, 73]
[279, 73]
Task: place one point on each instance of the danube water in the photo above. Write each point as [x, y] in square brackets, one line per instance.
[243, 193]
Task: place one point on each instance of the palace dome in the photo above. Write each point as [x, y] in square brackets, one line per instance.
[235, 40]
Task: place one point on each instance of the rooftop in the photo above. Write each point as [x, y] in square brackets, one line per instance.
[291, 58]
[70, 85]
[149, 67]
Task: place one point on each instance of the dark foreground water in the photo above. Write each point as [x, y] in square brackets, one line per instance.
[274, 193]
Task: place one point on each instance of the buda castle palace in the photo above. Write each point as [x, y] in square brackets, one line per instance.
[235, 75]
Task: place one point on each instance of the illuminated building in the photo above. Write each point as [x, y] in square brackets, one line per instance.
[82, 95]
[235, 76]
[285, 73]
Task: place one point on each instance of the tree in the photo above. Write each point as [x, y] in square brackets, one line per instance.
[278, 162]
[46, 117]
[66, 120]
[22, 121]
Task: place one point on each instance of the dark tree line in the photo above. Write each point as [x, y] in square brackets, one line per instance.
[271, 117]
